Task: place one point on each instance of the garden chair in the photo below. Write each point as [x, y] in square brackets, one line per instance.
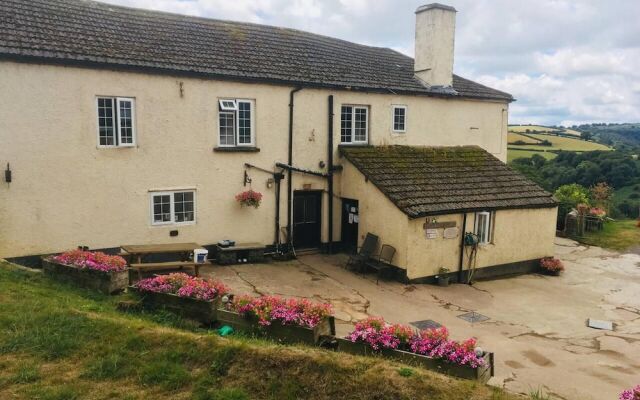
[364, 252]
[382, 262]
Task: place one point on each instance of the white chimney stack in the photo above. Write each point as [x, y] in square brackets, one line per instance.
[435, 35]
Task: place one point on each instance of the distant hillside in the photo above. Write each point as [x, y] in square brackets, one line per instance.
[526, 140]
[543, 129]
[613, 134]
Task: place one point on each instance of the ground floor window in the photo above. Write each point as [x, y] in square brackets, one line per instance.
[483, 226]
[173, 207]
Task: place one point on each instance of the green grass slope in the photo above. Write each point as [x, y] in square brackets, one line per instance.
[63, 343]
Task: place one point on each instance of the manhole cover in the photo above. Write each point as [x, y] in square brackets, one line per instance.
[473, 317]
[426, 324]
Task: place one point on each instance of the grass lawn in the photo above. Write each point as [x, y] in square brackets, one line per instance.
[565, 143]
[62, 343]
[617, 235]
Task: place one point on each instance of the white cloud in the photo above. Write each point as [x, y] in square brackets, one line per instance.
[564, 60]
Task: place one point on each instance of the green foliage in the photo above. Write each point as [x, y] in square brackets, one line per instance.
[26, 373]
[538, 394]
[167, 374]
[572, 194]
[406, 372]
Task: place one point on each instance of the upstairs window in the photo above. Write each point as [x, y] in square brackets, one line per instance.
[483, 227]
[399, 119]
[354, 124]
[116, 122]
[173, 207]
[236, 122]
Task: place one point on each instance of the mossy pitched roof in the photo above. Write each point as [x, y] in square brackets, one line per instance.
[424, 181]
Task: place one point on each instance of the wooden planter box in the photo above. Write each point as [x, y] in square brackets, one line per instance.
[105, 282]
[199, 310]
[276, 331]
[481, 374]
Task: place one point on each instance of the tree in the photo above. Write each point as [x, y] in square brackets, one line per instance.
[586, 136]
[572, 194]
[601, 194]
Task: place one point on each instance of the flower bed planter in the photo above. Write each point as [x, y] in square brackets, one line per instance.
[276, 331]
[481, 374]
[204, 311]
[105, 282]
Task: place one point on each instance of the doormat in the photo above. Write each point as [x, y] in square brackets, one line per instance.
[473, 317]
[426, 324]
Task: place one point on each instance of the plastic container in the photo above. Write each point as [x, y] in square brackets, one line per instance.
[200, 256]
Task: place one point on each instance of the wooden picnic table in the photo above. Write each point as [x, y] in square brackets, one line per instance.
[138, 252]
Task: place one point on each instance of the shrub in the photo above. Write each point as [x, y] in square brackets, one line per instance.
[551, 264]
[301, 312]
[184, 285]
[631, 394]
[91, 260]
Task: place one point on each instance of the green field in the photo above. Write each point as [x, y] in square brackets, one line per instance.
[514, 137]
[513, 154]
[557, 143]
[541, 128]
[62, 343]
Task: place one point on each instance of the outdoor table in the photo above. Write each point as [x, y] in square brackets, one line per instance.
[138, 252]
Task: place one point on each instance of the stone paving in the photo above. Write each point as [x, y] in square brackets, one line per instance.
[536, 326]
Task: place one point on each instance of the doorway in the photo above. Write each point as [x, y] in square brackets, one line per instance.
[307, 206]
[350, 220]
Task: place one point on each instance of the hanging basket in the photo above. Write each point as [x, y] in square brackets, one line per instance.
[249, 198]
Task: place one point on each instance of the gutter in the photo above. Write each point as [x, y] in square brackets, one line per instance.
[290, 162]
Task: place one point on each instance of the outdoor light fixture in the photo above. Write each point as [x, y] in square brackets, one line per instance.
[7, 174]
[269, 183]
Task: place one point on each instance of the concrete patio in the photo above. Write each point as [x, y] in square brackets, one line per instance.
[536, 327]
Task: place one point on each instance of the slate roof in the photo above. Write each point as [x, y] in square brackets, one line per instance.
[97, 34]
[424, 181]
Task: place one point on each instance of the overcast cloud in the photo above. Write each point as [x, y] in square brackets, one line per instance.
[566, 62]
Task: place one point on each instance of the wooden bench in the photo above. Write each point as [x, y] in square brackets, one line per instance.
[144, 267]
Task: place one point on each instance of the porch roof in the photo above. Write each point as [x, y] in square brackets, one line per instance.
[423, 181]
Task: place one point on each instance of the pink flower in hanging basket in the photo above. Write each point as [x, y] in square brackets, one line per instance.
[249, 198]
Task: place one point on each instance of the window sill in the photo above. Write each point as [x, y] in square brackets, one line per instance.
[237, 149]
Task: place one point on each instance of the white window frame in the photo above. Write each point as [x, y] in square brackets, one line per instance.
[393, 118]
[171, 193]
[117, 122]
[487, 226]
[355, 107]
[222, 108]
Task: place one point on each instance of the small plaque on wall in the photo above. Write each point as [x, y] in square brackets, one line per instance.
[451, 233]
[432, 233]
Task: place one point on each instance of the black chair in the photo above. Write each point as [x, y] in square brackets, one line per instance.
[364, 252]
[382, 262]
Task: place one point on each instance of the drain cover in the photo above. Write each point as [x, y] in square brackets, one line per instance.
[473, 317]
[426, 324]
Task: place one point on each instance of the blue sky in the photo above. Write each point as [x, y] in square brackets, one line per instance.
[567, 62]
